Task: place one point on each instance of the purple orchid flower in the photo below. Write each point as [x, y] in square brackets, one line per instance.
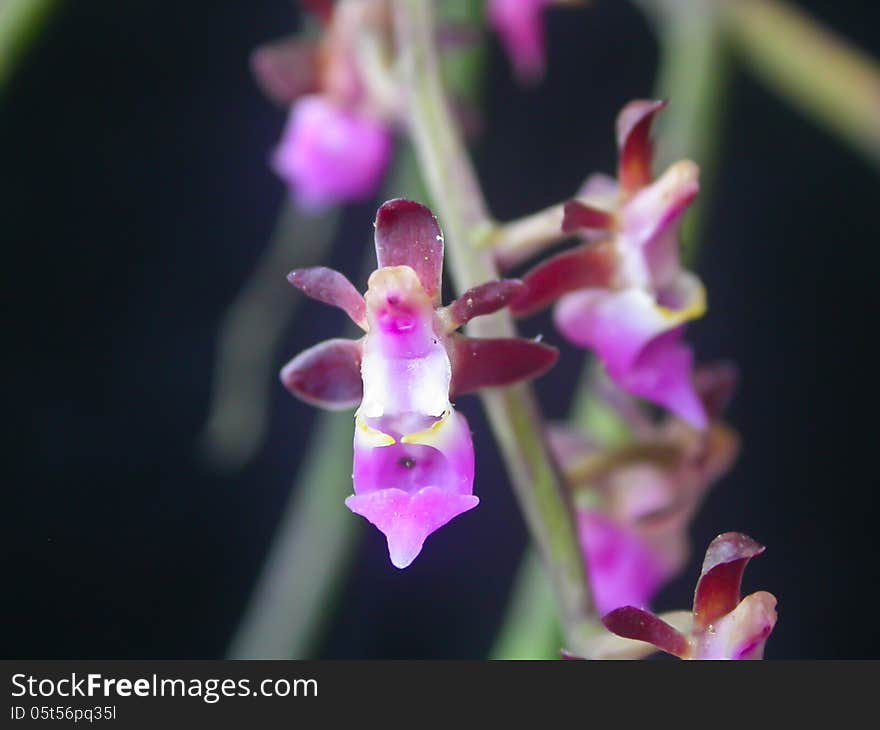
[413, 456]
[723, 625]
[624, 294]
[521, 29]
[338, 140]
[635, 504]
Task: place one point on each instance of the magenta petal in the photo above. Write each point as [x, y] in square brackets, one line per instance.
[285, 69]
[407, 519]
[662, 374]
[634, 144]
[327, 375]
[330, 287]
[592, 265]
[407, 234]
[638, 343]
[484, 299]
[329, 155]
[718, 590]
[623, 571]
[521, 29]
[411, 483]
[636, 623]
[481, 363]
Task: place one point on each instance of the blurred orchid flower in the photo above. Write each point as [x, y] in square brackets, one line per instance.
[723, 625]
[624, 293]
[637, 502]
[337, 143]
[520, 25]
[413, 456]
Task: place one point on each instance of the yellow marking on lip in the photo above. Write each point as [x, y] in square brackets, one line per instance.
[428, 435]
[373, 436]
[693, 311]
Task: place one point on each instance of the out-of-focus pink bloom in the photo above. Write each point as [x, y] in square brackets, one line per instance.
[642, 496]
[521, 29]
[329, 154]
[624, 293]
[724, 625]
[337, 142]
[413, 456]
[623, 571]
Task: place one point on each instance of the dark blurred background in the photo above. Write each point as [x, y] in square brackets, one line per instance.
[136, 199]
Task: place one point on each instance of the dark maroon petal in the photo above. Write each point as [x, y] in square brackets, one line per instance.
[285, 69]
[591, 265]
[718, 590]
[715, 385]
[636, 623]
[484, 299]
[634, 144]
[327, 375]
[407, 234]
[577, 216]
[331, 287]
[322, 9]
[480, 363]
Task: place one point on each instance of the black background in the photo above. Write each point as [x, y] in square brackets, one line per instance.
[136, 198]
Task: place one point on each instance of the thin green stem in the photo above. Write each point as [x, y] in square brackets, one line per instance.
[512, 412]
[519, 240]
[815, 69]
[20, 23]
[249, 337]
[310, 557]
[530, 629]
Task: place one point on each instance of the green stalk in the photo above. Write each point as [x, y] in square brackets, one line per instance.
[819, 72]
[251, 331]
[513, 412]
[20, 23]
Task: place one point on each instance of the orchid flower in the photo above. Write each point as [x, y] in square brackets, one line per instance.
[634, 504]
[520, 25]
[722, 625]
[521, 28]
[624, 293]
[337, 143]
[413, 456]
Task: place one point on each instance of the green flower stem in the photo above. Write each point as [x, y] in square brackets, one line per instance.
[311, 554]
[20, 24]
[530, 629]
[512, 412]
[249, 337]
[815, 69]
